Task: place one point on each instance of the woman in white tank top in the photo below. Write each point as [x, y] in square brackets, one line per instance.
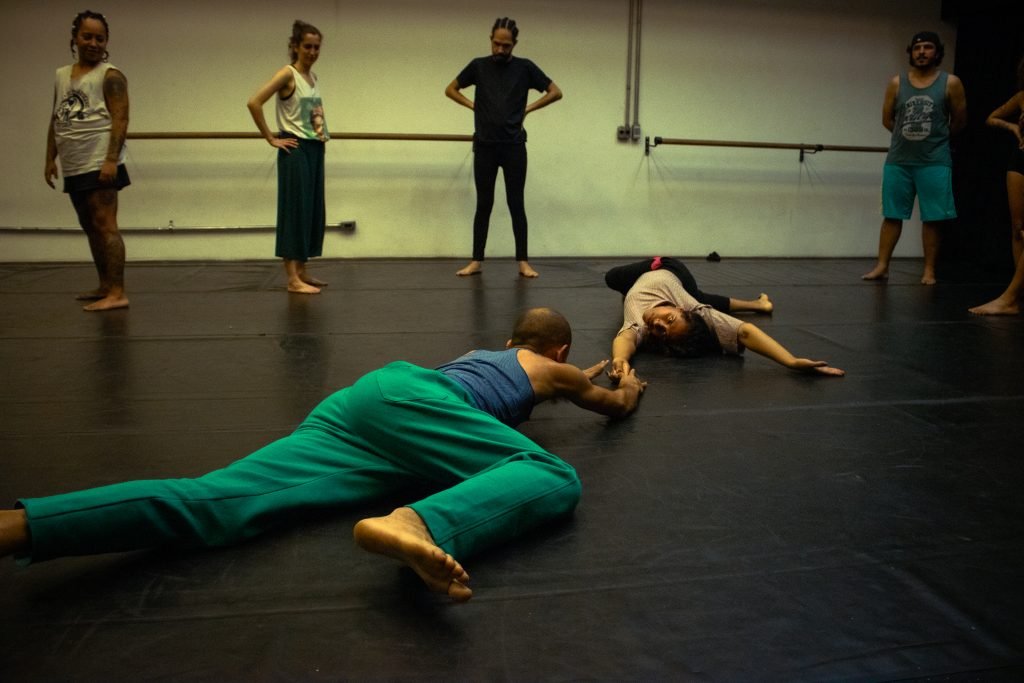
[301, 214]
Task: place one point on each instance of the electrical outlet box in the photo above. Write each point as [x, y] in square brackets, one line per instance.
[347, 226]
[636, 132]
[622, 132]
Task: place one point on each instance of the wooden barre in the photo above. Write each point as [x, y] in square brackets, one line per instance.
[334, 136]
[802, 146]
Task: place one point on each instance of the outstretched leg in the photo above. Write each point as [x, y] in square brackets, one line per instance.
[402, 535]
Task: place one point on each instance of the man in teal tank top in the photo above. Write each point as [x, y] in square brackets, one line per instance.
[450, 428]
[921, 109]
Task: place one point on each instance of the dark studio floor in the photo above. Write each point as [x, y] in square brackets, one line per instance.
[746, 524]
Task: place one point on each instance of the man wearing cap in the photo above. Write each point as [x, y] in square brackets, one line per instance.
[922, 108]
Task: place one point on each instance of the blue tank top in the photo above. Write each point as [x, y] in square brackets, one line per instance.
[496, 382]
[920, 132]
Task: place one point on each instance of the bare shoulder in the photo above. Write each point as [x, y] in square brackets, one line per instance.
[115, 75]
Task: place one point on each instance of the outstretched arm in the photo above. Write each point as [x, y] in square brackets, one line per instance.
[623, 348]
[758, 341]
[551, 379]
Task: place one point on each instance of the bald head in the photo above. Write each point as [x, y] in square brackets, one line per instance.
[541, 329]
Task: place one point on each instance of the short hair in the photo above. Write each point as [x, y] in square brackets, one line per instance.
[76, 25]
[507, 24]
[541, 329]
[299, 29]
[699, 340]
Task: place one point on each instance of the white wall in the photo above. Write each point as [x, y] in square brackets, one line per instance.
[773, 70]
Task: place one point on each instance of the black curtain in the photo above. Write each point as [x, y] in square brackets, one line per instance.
[989, 44]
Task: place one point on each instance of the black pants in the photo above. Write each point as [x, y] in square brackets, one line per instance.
[621, 278]
[487, 159]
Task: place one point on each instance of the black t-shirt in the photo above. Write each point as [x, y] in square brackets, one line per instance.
[499, 103]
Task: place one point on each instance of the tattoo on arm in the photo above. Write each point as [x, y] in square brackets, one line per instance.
[115, 92]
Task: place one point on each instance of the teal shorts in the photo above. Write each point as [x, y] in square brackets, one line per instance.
[932, 185]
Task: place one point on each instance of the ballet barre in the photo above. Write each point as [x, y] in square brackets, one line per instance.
[804, 148]
[430, 137]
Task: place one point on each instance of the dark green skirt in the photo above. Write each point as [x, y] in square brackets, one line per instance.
[301, 211]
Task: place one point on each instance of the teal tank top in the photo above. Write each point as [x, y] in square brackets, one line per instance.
[920, 133]
[496, 382]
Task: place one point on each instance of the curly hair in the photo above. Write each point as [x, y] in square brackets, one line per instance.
[699, 340]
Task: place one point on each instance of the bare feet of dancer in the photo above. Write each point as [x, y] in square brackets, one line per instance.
[309, 279]
[296, 271]
[526, 271]
[403, 536]
[94, 295]
[879, 272]
[13, 532]
[473, 268]
[115, 299]
[998, 306]
[761, 304]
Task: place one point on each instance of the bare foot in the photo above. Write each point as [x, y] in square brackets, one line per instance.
[526, 271]
[301, 287]
[765, 304]
[877, 273]
[13, 532]
[928, 279]
[473, 268]
[310, 280]
[403, 536]
[107, 303]
[94, 295]
[996, 307]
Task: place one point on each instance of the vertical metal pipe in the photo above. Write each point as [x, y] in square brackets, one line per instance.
[629, 62]
[638, 21]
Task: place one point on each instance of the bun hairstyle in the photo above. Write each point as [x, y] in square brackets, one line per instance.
[507, 24]
[299, 29]
[76, 25]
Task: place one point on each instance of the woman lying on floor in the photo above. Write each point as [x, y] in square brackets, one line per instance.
[664, 309]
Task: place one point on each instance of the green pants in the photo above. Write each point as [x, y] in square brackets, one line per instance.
[394, 427]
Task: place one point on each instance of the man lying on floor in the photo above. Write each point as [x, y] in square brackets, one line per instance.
[452, 428]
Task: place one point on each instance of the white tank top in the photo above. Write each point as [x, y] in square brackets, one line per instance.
[81, 121]
[302, 114]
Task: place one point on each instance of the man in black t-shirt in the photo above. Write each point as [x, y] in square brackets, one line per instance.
[499, 140]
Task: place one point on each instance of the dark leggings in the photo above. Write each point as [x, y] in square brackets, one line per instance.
[621, 278]
[511, 158]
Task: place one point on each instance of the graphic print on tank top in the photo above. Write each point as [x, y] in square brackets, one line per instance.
[917, 118]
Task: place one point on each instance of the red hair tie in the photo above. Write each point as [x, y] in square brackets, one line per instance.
[656, 263]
